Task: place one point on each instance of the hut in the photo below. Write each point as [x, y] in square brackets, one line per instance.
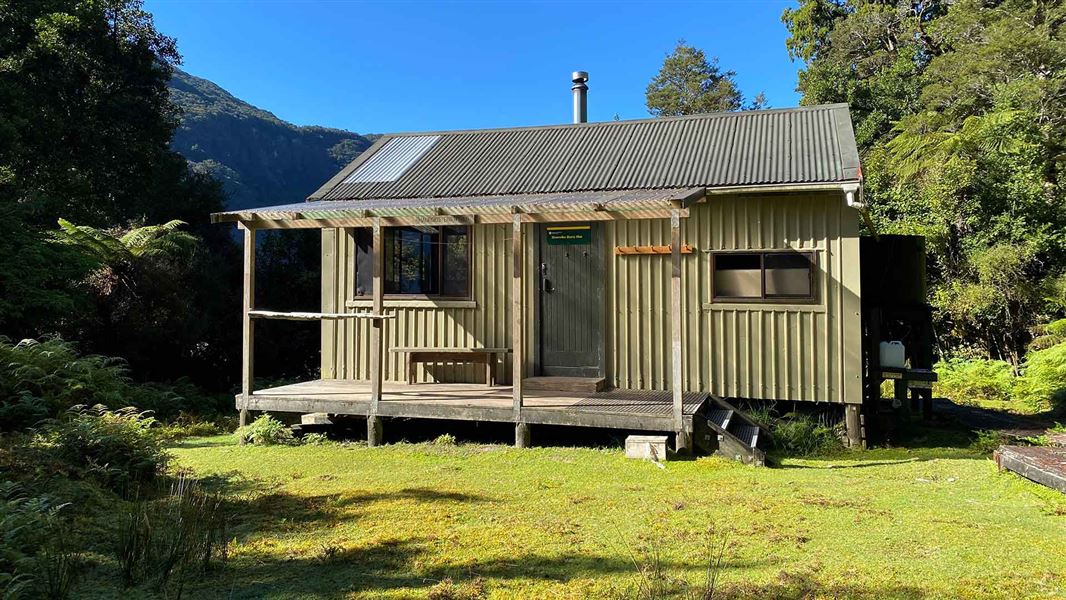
[638, 275]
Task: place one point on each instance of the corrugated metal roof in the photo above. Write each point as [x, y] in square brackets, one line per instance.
[785, 146]
[624, 200]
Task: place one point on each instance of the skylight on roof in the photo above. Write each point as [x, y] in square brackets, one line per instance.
[393, 159]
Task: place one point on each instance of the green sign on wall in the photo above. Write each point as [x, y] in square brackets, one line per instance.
[564, 235]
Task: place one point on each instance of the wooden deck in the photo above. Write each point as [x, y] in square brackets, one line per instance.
[616, 409]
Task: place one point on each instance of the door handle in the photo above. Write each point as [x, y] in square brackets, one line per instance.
[546, 285]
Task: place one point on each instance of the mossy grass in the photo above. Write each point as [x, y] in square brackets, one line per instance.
[482, 520]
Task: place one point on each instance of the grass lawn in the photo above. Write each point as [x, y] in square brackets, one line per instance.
[395, 521]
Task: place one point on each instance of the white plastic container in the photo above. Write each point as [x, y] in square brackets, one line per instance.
[893, 355]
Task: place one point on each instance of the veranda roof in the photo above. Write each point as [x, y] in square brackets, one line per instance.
[488, 209]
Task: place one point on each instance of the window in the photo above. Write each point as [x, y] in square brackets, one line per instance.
[419, 261]
[763, 276]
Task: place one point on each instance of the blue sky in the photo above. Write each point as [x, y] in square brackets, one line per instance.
[374, 67]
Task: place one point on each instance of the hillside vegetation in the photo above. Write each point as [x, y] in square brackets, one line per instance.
[259, 158]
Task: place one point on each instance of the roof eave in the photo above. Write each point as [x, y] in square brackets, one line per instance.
[444, 211]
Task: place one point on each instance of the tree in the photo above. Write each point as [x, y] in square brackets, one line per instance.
[84, 109]
[151, 299]
[869, 54]
[689, 84]
[86, 122]
[962, 130]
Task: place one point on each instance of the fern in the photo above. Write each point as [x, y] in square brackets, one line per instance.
[150, 241]
[924, 142]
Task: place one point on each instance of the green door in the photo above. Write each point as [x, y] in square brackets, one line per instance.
[571, 299]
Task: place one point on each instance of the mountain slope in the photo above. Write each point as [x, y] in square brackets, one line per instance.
[260, 159]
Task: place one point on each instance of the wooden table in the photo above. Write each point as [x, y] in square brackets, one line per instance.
[485, 356]
[918, 381]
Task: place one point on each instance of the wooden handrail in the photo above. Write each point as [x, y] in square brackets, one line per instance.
[312, 316]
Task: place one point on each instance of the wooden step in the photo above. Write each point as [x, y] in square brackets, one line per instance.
[733, 434]
[586, 385]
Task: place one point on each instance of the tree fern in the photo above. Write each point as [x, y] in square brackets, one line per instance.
[150, 241]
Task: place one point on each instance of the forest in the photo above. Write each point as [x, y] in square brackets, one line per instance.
[119, 302]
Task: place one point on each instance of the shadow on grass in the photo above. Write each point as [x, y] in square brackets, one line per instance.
[255, 509]
[794, 587]
[849, 462]
[410, 566]
[340, 566]
[915, 443]
[414, 564]
[981, 417]
[205, 442]
[289, 509]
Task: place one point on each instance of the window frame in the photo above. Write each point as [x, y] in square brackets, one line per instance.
[465, 296]
[762, 298]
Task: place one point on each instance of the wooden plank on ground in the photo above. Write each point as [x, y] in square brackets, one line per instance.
[1044, 465]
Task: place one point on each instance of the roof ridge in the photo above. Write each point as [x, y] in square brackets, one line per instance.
[721, 114]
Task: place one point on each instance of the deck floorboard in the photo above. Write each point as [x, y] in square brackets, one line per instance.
[624, 409]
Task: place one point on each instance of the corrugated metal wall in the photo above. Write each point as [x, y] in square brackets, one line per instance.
[772, 351]
[484, 322]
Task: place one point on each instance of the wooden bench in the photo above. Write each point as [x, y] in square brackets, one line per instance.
[485, 356]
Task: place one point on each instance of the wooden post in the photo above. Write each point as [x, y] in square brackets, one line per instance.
[521, 435]
[377, 253]
[853, 423]
[682, 441]
[248, 337]
[517, 325]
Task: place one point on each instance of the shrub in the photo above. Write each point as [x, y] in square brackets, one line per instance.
[266, 431]
[987, 441]
[796, 433]
[119, 448]
[1043, 380]
[189, 428]
[802, 434]
[445, 439]
[43, 379]
[968, 381]
[1046, 336]
[449, 590]
[33, 559]
[166, 541]
[315, 439]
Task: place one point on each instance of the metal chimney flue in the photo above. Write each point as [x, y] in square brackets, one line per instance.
[581, 101]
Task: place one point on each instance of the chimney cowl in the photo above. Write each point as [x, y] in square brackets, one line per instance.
[581, 109]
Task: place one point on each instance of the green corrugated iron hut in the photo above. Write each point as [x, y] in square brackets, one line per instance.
[631, 274]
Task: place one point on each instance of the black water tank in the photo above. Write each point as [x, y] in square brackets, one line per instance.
[893, 270]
